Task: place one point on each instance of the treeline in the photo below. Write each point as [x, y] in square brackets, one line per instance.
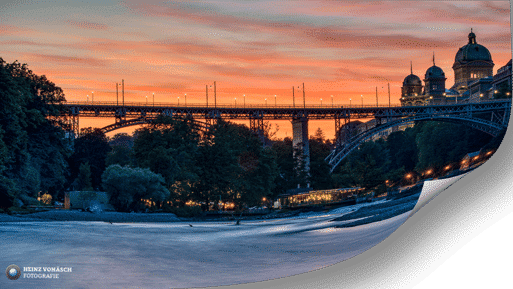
[33, 147]
[429, 149]
[173, 163]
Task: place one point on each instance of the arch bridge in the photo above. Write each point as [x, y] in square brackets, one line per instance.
[488, 116]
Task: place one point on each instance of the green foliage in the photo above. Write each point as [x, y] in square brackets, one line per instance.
[291, 166]
[441, 143]
[91, 147]
[32, 144]
[128, 186]
[83, 180]
[121, 153]
[234, 165]
[320, 176]
[366, 167]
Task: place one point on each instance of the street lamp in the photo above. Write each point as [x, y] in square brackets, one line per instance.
[154, 99]
[362, 99]
[244, 101]
[332, 101]
[92, 94]
[87, 98]
[321, 102]
[178, 101]
[349, 102]
[266, 102]
[275, 100]
[186, 100]
[235, 102]
[146, 100]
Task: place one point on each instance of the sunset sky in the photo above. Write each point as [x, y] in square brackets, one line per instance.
[256, 48]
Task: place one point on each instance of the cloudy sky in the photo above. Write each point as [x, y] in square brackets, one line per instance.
[256, 48]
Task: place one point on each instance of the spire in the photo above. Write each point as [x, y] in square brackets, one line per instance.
[411, 67]
[471, 37]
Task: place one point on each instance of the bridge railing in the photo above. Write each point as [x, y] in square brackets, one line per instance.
[251, 106]
[221, 105]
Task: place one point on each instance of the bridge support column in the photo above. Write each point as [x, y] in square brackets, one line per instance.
[73, 123]
[256, 124]
[300, 140]
[343, 131]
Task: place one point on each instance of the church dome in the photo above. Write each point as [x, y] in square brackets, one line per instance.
[473, 51]
[435, 72]
[412, 80]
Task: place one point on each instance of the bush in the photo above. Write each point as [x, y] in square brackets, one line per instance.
[127, 187]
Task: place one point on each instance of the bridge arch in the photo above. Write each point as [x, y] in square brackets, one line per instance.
[141, 121]
[485, 126]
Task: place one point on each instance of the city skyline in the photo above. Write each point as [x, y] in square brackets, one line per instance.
[340, 49]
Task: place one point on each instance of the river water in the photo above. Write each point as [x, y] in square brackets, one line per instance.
[164, 255]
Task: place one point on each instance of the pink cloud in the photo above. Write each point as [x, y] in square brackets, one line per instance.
[88, 25]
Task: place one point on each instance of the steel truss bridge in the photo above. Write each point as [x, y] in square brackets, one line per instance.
[487, 116]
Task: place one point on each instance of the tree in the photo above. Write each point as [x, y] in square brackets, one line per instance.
[32, 146]
[169, 147]
[127, 187]
[291, 167]
[234, 165]
[403, 150]
[367, 167]
[320, 175]
[121, 150]
[83, 180]
[91, 147]
[441, 143]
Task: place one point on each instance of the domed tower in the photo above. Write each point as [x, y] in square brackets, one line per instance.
[435, 82]
[473, 61]
[411, 92]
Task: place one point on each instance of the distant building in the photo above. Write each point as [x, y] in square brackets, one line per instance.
[480, 89]
[473, 78]
[502, 78]
[473, 61]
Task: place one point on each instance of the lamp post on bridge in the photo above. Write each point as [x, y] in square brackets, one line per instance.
[350, 105]
[186, 100]
[215, 94]
[92, 95]
[275, 101]
[87, 99]
[146, 100]
[293, 98]
[154, 99]
[178, 101]
[244, 101]
[235, 102]
[321, 102]
[362, 99]
[332, 101]
[266, 102]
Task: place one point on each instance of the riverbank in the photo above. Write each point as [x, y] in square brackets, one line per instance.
[363, 213]
[118, 217]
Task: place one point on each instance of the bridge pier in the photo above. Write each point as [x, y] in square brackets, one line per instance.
[300, 140]
[256, 124]
[73, 122]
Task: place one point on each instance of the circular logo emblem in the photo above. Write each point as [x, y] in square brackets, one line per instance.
[13, 272]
